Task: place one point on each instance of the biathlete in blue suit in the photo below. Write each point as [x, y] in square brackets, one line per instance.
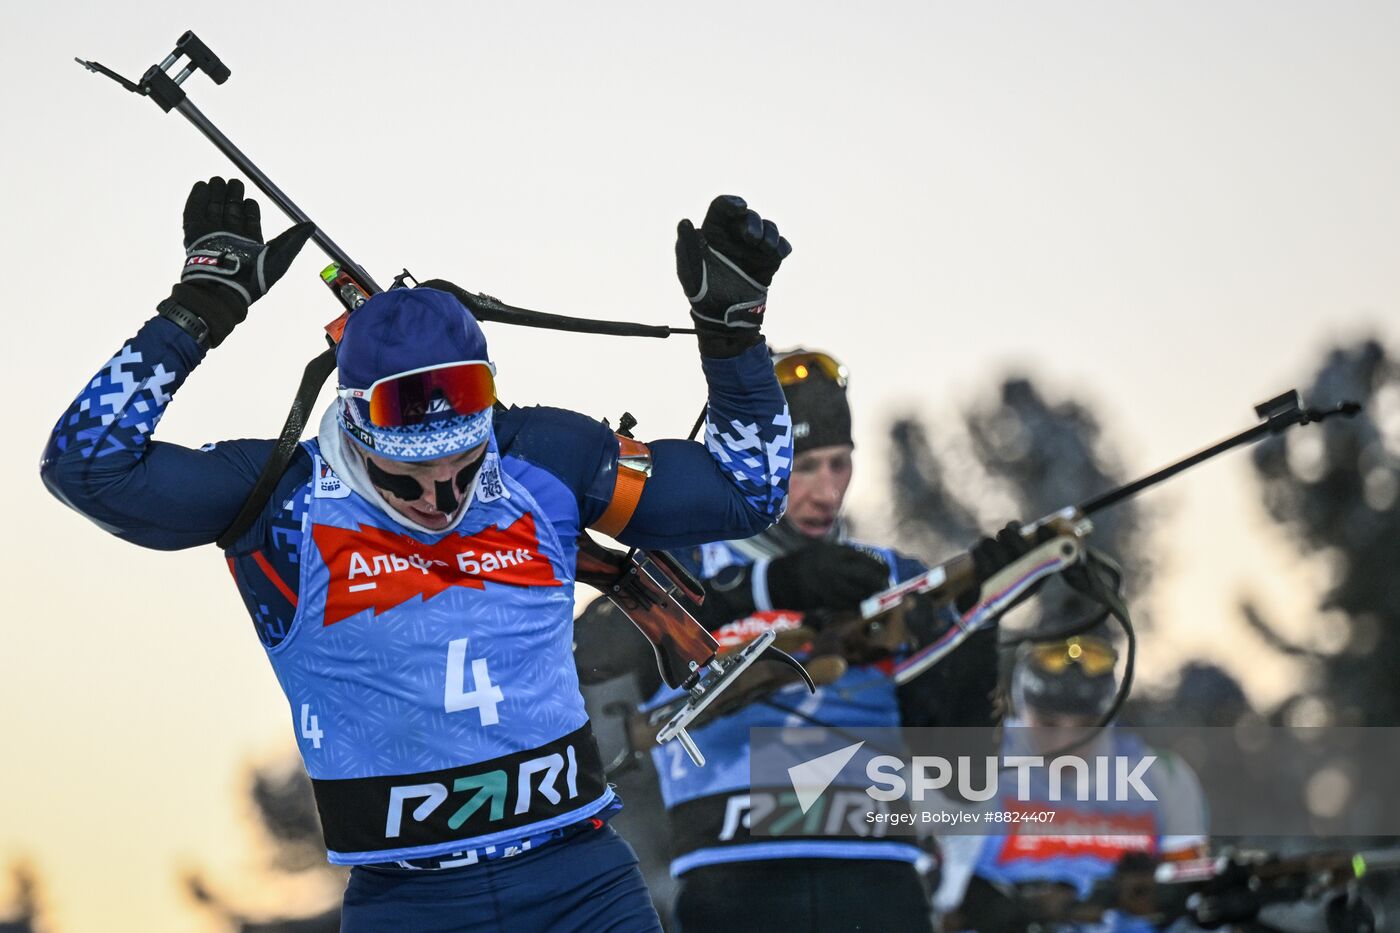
[801, 572]
[1060, 688]
[412, 577]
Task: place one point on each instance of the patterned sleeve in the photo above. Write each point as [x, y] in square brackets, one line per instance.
[733, 486]
[101, 459]
[748, 431]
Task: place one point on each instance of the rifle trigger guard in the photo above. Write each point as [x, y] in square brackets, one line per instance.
[705, 692]
[773, 653]
[645, 586]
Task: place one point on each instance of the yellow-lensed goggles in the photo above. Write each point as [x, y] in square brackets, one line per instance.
[1094, 656]
[800, 365]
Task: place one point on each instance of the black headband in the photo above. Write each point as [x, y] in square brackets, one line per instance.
[821, 415]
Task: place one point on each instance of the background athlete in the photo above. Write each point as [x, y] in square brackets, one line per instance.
[1060, 688]
[804, 571]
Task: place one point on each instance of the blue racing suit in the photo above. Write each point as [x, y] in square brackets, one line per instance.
[429, 676]
[1090, 832]
[830, 880]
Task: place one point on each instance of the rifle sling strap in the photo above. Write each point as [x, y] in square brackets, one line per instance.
[312, 378]
[633, 468]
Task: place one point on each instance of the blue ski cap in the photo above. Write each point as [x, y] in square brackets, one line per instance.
[398, 331]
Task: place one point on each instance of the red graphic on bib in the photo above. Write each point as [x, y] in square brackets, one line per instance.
[376, 569]
[1103, 835]
[743, 631]
[740, 632]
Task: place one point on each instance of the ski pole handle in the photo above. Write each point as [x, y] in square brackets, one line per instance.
[168, 94]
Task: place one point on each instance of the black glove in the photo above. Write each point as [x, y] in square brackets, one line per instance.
[1213, 911]
[227, 265]
[990, 555]
[725, 268]
[823, 575]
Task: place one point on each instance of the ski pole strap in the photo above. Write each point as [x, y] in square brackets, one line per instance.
[312, 378]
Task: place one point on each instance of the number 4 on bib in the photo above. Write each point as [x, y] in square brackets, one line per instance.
[484, 695]
[311, 726]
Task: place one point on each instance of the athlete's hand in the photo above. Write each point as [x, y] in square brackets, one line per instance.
[224, 241]
[991, 555]
[726, 267]
[227, 264]
[824, 575]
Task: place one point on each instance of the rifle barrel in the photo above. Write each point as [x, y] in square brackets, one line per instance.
[278, 196]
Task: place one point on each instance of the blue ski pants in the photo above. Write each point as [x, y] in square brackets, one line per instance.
[584, 883]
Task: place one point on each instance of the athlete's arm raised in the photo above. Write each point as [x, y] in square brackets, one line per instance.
[736, 484]
[101, 459]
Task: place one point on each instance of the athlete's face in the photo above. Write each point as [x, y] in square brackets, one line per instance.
[817, 488]
[440, 494]
[1052, 730]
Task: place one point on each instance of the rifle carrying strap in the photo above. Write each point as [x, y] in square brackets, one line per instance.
[312, 378]
[633, 468]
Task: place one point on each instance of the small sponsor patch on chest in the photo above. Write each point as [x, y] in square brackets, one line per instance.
[325, 484]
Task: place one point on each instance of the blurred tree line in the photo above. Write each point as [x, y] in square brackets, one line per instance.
[291, 829]
[1019, 456]
[1333, 488]
[22, 915]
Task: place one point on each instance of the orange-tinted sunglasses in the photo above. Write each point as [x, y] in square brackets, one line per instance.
[1094, 656]
[797, 366]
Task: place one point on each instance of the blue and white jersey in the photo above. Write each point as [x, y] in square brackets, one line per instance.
[710, 807]
[430, 677]
[1078, 855]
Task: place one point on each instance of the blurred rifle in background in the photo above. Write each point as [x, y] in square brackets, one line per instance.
[1249, 891]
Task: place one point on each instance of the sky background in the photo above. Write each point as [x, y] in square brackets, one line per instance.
[1168, 209]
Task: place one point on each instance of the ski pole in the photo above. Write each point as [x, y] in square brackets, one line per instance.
[1072, 525]
[347, 279]
[168, 94]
